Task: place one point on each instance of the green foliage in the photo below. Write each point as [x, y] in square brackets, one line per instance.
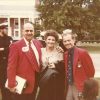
[62, 14]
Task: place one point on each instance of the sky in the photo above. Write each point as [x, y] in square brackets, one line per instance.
[17, 2]
[17, 8]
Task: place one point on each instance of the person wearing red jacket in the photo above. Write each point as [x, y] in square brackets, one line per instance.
[78, 65]
[24, 61]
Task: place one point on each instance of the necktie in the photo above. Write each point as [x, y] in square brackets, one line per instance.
[70, 67]
[30, 48]
[32, 56]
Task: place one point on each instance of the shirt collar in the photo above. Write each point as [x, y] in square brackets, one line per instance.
[27, 43]
[71, 50]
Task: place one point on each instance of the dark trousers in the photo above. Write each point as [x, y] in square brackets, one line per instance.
[22, 96]
[53, 89]
[5, 94]
[3, 76]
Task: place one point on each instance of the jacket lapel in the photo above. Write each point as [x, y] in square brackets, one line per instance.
[76, 56]
[38, 47]
[25, 49]
[31, 58]
[65, 59]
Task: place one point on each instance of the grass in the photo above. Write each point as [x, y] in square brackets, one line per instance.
[92, 49]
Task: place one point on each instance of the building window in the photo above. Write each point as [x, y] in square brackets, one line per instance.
[26, 20]
[16, 23]
[16, 33]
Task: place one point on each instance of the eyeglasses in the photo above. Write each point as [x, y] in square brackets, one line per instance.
[28, 30]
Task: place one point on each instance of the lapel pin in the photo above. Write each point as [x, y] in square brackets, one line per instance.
[25, 49]
[79, 64]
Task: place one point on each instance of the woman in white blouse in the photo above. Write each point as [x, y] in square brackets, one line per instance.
[52, 71]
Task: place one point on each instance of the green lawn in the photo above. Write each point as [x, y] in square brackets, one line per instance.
[91, 48]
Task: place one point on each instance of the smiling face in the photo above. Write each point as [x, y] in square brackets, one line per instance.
[28, 31]
[68, 41]
[50, 41]
[51, 38]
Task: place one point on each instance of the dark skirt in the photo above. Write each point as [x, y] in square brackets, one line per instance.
[53, 88]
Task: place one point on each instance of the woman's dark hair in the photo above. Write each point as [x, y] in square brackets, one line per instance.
[91, 89]
[51, 33]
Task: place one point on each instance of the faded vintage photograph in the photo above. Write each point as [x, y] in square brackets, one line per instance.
[49, 49]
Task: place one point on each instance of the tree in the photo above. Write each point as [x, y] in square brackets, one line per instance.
[80, 15]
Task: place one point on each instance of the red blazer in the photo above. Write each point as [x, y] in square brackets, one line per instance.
[20, 63]
[82, 67]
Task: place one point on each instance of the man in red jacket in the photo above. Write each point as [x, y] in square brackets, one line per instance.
[79, 67]
[24, 61]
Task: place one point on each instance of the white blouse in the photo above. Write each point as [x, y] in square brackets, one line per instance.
[51, 57]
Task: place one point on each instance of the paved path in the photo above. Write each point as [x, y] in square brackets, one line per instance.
[96, 61]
